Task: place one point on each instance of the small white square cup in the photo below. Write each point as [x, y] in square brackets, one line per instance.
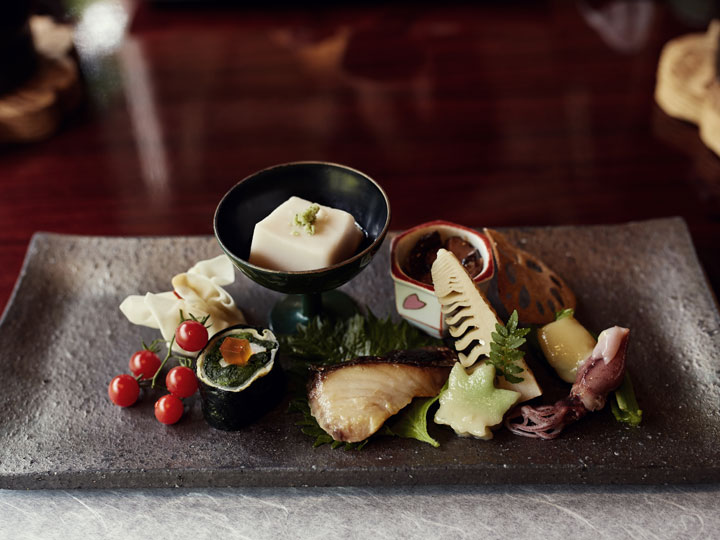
[416, 301]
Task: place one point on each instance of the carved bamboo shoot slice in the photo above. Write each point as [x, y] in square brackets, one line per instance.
[472, 320]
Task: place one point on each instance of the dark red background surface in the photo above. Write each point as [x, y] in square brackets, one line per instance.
[522, 113]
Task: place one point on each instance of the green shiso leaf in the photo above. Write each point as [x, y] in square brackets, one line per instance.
[625, 407]
[411, 422]
[322, 342]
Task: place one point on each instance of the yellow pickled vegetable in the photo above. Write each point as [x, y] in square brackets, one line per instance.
[566, 344]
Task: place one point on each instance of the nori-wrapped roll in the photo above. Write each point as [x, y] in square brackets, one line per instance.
[233, 395]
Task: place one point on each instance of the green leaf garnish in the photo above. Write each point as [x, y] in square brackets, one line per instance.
[324, 342]
[309, 426]
[625, 407]
[564, 314]
[504, 348]
[411, 422]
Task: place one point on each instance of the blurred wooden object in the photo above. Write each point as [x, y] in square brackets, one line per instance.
[710, 117]
[35, 110]
[687, 82]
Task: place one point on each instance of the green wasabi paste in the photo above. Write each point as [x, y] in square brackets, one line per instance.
[306, 219]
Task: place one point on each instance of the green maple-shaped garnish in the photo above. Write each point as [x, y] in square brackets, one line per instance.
[471, 404]
[504, 348]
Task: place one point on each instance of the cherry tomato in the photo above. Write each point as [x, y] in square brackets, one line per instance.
[181, 382]
[168, 409]
[191, 336]
[144, 363]
[124, 390]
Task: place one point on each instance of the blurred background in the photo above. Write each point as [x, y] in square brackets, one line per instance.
[515, 113]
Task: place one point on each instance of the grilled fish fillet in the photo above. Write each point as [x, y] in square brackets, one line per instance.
[351, 401]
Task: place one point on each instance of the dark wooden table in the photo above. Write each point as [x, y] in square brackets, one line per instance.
[532, 113]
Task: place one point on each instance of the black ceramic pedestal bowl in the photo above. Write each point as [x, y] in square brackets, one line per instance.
[329, 184]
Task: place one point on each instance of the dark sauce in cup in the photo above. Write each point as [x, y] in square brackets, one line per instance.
[424, 252]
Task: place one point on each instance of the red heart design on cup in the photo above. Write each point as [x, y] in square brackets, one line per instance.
[413, 302]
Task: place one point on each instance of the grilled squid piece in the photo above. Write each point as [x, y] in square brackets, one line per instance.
[351, 401]
[597, 376]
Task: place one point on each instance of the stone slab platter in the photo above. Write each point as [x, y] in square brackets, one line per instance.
[62, 338]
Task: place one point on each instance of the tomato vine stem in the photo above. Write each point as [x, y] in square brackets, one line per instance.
[162, 364]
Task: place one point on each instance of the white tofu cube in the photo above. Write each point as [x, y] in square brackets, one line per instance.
[279, 244]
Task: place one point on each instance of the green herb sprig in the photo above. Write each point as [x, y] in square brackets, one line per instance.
[504, 348]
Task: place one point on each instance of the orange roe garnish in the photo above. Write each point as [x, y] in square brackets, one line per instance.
[236, 351]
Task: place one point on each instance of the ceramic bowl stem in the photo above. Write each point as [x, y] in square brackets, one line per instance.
[312, 305]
